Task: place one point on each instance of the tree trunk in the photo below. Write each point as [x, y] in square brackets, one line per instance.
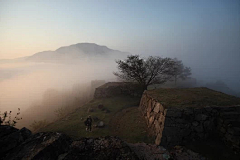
[145, 87]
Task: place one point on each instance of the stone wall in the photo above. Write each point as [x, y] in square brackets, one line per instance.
[228, 126]
[111, 89]
[178, 126]
[155, 115]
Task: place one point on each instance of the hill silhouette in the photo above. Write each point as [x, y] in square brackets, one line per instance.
[79, 51]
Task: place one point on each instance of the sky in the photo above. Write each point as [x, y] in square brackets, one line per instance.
[204, 34]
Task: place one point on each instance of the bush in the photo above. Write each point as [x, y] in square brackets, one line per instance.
[6, 118]
[62, 112]
[36, 125]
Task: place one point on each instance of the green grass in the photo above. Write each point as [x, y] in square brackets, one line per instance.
[73, 124]
[131, 126]
[192, 97]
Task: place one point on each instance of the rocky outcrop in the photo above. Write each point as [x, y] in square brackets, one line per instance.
[228, 126]
[154, 152]
[11, 137]
[180, 125]
[99, 149]
[182, 153]
[21, 144]
[41, 146]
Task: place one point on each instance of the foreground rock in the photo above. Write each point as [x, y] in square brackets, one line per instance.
[11, 138]
[21, 144]
[182, 153]
[153, 152]
[99, 149]
[149, 152]
[41, 146]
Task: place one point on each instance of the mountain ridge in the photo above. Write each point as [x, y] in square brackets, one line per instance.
[74, 51]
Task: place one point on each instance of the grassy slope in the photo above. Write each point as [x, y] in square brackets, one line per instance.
[123, 112]
[126, 122]
[131, 126]
[195, 97]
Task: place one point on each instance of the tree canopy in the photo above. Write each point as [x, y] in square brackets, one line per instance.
[180, 71]
[153, 70]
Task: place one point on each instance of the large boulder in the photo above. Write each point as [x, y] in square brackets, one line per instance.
[6, 130]
[12, 137]
[41, 146]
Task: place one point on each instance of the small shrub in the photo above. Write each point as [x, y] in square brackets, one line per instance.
[62, 112]
[36, 125]
[6, 118]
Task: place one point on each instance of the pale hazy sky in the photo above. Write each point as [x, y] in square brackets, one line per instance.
[168, 27]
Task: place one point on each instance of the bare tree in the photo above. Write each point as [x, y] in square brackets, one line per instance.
[180, 71]
[153, 70]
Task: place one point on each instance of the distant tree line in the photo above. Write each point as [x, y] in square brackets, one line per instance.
[152, 70]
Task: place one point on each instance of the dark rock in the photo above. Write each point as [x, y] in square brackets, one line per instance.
[149, 151]
[169, 122]
[208, 109]
[174, 113]
[223, 130]
[182, 153]
[171, 131]
[188, 114]
[51, 145]
[41, 146]
[230, 115]
[201, 117]
[100, 106]
[185, 132]
[208, 125]
[195, 123]
[13, 139]
[100, 149]
[6, 130]
[180, 120]
[199, 129]
[234, 131]
[188, 111]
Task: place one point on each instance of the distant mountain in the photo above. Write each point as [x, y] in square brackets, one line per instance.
[87, 48]
[79, 51]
